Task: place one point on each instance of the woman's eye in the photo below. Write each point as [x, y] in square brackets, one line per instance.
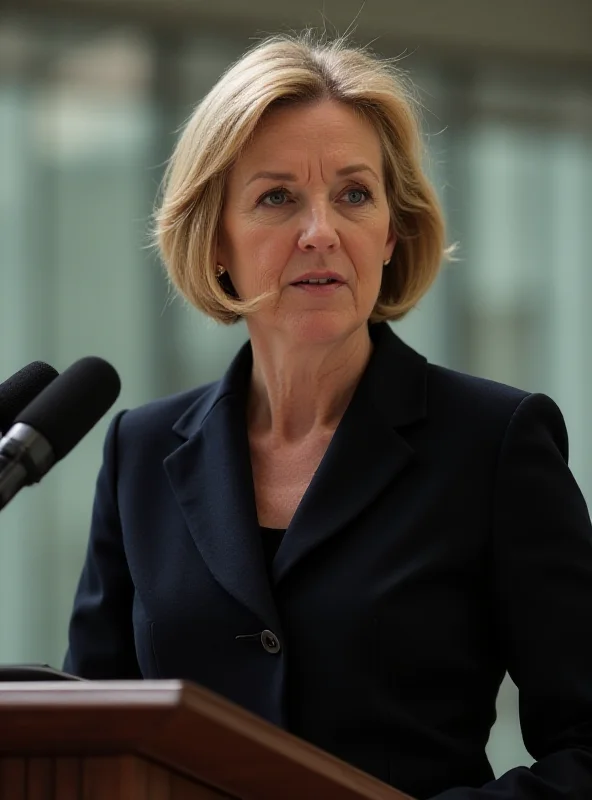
[274, 198]
[279, 197]
[357, 196]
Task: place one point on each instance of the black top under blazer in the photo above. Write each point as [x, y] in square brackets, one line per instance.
[442, 541]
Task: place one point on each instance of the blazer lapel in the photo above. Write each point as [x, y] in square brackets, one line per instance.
[366, 453]
[211, 474]
[212, 480]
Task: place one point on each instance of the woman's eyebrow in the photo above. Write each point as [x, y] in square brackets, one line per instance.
[289, 176]
[274, 176]
[357, 168]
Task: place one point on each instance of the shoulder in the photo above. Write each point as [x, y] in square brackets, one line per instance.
[404, 379]
[464, 392]
[160, 416]
[504, 410]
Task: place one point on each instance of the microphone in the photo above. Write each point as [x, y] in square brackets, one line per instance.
[54, 422]
[21, 388]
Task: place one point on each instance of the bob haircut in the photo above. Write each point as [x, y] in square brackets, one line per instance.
[281, 70]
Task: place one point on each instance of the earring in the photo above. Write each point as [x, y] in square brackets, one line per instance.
[384, 263]
[220, 271]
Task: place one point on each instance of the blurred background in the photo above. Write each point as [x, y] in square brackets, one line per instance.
[91, 96]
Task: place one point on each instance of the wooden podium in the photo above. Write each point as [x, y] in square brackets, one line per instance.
[157, 740]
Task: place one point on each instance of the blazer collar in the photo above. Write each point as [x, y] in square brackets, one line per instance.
[211, 476]
[394, 382]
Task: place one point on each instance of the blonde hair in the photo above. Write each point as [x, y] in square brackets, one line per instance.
[297, 69]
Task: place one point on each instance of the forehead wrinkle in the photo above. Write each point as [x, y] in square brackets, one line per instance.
[300, 161]
[307, 171]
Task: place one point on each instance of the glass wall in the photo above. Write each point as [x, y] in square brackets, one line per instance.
[87, 119]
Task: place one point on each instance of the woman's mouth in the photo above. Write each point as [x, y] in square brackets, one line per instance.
[321, 286]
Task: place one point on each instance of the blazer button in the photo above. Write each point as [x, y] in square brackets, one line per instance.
[270, 642]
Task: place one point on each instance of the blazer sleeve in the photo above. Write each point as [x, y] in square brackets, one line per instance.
[100, 638]
[542, 600]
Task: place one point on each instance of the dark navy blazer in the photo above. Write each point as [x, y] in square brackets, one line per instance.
[442, 541]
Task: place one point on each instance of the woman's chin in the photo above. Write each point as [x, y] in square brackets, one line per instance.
[320, 327]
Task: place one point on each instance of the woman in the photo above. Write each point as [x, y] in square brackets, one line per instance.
[348, 541]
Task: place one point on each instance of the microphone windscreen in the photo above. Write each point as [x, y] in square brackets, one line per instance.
[21, 388]
[73, 403]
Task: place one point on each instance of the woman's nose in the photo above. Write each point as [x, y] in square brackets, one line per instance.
[318, 231]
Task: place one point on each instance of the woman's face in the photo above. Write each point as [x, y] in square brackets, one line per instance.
[306, 201]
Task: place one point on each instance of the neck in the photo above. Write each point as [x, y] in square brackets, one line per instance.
[297, 390]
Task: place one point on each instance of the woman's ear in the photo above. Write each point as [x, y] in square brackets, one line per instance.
[391, 242]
